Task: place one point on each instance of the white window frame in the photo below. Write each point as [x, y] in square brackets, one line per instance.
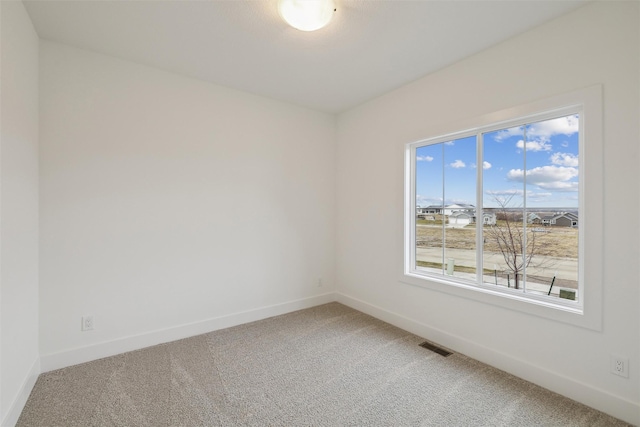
[587, 311]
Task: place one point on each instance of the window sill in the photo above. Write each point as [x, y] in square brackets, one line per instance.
[570, 314]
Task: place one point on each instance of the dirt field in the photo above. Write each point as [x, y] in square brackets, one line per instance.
[550, 241]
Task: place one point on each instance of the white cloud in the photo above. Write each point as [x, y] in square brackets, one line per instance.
[449, 143]
[543, 174]
[548, 128]
[547, 177]
[534, 145]
[457, 164]
[486, 165]
[538, 135]
[424, 158]
[508, 133]
[564, 159]
[543, 130]
[559, 186]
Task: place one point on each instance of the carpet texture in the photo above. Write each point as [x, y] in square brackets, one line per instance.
[325, 366]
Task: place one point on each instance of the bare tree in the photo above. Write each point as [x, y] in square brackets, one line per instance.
[518, 247]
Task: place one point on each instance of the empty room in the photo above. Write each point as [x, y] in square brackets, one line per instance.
[319, 212]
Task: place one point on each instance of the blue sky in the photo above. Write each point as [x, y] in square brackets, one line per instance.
[551, 169]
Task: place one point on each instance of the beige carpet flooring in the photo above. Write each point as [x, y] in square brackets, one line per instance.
[325, 366]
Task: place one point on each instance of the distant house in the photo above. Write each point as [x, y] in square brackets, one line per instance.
[562, 219]
[433, 209]
[422, 212]
[445, 210]
[534, 218]
[460, 219]
[567, 219]
[489, 218]
[450, 209]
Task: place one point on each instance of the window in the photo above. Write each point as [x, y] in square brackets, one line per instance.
[500, 208]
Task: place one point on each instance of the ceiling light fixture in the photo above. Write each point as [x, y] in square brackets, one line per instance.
[306, 15]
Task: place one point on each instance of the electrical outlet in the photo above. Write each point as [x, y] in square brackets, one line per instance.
[620, 366]
[87, 323]
[319, 282]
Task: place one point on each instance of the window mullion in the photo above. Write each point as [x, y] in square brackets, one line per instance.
[524, 212]
[413, 221]
[479, 210]
[442, 215]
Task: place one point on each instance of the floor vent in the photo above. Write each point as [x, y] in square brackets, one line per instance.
[441, 351]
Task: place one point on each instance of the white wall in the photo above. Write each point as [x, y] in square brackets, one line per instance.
[597, 44]
[19, 362]
[168, 203]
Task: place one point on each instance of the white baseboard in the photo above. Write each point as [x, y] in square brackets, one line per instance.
[12, 415]
[601, 400]
[50, 362]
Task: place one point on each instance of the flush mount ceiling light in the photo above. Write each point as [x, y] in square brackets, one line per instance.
[306, 15]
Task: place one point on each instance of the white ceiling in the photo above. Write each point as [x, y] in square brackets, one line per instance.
[369, 48]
